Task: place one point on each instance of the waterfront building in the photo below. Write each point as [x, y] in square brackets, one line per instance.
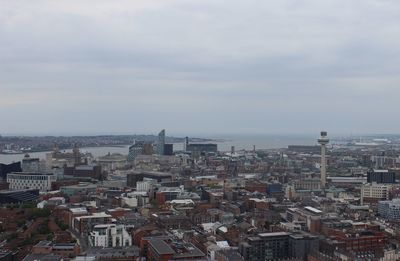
[198, 148]
[161, 143]
[8, 168]
[18, 196]
[31, 164]
[201, 147]
[111, 162]
[135, 150]
[30, 180]
[168, 149]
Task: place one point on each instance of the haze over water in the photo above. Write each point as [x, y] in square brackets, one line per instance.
[240, 142]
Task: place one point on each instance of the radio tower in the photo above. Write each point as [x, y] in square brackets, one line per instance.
[323, 141]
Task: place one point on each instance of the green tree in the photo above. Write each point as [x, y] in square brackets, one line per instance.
[38, 212]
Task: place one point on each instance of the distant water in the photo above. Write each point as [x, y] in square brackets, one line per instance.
[264, 142]
[240, 143]
[96, 152]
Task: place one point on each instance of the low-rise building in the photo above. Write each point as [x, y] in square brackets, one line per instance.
[278, 246]
[18, 196]
[85, 224]
[82, 187]
[134, 177]
[61, 249]
[389, 209]
[166, 249]
[109, 235]
[111, 162]
[374, 192]
[91, 171]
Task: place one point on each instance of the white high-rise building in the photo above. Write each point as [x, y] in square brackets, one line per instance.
[323, 141]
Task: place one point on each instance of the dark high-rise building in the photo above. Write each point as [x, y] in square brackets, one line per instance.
[266, 246]
[197, 148]
[202, 147]
[77, 154]
[186, 143]
[302, 244]
[278, 246]
[381, 176]
[168, 149]
[8, 168]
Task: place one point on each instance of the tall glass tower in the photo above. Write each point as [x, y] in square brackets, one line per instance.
[161, 143]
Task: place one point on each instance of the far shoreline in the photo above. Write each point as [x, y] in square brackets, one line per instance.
[64, 149]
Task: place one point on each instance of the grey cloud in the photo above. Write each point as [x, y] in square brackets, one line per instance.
[238, 66]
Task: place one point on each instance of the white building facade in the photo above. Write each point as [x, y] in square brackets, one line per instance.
[144, 186]
[374, 192]
[30, 180]
[109, 235]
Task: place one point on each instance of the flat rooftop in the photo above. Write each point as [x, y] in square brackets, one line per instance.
[8, 191]
[313, 210]
[31, 174]
[153, 173]
[78, 210]
[95, 215]
[161, 247]
[381, 170]
[274, 234]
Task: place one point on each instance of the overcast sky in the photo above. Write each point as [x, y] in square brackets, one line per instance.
[199, 66]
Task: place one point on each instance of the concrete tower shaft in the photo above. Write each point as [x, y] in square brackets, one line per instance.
[323, 141]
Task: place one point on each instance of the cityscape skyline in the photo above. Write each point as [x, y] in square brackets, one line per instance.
[204, 130]
[207, 135]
